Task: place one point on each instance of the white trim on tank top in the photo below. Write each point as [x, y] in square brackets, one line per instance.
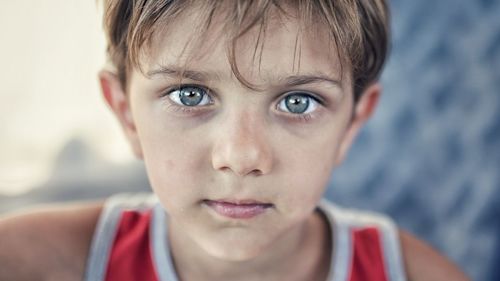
[341, 222]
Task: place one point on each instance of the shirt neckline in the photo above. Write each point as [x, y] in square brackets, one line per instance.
[340, 246]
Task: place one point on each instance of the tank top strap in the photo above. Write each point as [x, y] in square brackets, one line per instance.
[163, 260]
[366, 245]
[120, 212]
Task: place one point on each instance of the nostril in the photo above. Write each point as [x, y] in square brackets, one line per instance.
[224, 169]
[242, 172]
[255, 172]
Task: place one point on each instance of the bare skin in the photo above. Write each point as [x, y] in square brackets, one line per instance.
[308, 260]
[53, 244]
[48, 244]
[423, 263]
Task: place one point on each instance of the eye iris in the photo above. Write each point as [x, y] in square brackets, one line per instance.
[297, 103]
[190, 96]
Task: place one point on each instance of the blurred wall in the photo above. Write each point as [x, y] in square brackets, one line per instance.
[431, 155]
[50, 53]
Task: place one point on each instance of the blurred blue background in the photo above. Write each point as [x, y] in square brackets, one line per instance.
[430, 157]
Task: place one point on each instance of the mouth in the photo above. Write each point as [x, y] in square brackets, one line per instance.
[238, 209]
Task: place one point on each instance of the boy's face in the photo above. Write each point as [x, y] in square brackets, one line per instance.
[236, 169]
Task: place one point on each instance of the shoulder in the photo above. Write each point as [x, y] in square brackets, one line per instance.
[422, 262]
[51, 242]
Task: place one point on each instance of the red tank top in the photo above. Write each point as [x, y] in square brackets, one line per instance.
[363, 248]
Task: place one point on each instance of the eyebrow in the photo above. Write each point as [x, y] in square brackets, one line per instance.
[297, 80]
[203, 76]
[200, 76]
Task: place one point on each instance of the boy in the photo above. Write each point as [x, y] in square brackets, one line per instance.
[240, 111]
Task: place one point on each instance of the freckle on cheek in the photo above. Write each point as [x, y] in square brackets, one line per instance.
[170, 165]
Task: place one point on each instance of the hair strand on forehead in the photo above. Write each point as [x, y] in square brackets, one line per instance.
[358, 30]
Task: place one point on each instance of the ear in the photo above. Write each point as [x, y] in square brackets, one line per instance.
[363, 110]
[118, 102]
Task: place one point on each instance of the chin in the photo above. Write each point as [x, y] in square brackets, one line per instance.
[233, 250]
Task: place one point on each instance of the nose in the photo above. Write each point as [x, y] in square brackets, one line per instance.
[241, 146]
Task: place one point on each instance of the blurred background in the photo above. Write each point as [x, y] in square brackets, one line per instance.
[430, 158]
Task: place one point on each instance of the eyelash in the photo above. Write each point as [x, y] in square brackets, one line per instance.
[171, 105]
[296, 117]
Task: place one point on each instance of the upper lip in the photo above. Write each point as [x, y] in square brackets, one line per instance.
[239, 201]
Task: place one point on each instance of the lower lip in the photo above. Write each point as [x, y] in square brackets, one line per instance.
[237, 211]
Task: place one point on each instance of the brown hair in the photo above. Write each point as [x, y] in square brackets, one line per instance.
[358, 28]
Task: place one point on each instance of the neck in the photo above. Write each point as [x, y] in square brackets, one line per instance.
[299, 255]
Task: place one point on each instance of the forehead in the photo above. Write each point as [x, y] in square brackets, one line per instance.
[282, 47]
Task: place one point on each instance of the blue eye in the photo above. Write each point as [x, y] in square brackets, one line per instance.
[190, 96]
[298, 103]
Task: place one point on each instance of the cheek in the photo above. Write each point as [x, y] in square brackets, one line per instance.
[173, 180]
[174, 162]
[307, 172]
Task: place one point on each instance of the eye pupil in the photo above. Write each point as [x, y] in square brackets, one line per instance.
[190, 96]
[297, 103]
